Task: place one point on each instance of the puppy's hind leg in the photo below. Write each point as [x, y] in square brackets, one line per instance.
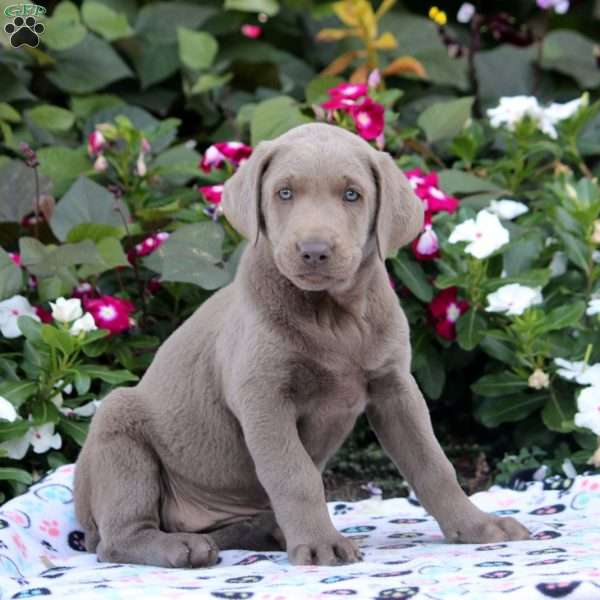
[123, 492]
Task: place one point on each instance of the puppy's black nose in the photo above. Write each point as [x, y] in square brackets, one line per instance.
[314, 252]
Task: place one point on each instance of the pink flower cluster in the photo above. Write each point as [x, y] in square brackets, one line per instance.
[444, 310]
[212, 193]
[368, 115]
[221, 153]
[147, 246]
[426, 187]
[110, 313]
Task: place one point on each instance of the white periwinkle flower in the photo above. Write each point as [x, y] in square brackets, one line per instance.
[538, 380]
[513, 299]
[484, 233]
[7, 410]
[10, 311]
[43, 438]
[465, 12]
[66, 310]
[588, 405]
[85, 323]
[508, 209]
[579, 371]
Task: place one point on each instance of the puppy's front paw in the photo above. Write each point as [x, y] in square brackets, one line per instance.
[339, 551]
[488, 530]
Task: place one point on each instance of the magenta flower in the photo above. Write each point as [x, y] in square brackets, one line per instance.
[95, 143]
[151, 243]
[83, 291]
[368, 118]
[426, 187]
[15, 257]
[350, 91]
[426, 246]
[444, 311]
[212, 193]
[217, 154]
[338, 103]
[251, 31]
[110, 313]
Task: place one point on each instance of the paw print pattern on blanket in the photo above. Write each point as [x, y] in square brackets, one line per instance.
[42, 553]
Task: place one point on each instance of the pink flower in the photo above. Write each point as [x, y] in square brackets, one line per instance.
[338, 103]
[368, 118]
[150, 244]
[216, 155]
[110, 313]
[374, 78]
[251, 31]
[95, 143]
[15, 257]
[145, 146]
[100, 164]
[444, 311]
[426, 246]
[426, 187]
[212, 193]
[83, 291]
[350, 91]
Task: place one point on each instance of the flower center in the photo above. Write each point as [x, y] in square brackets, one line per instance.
[14, 311]
[108, 313]
[452, 312]
[363, 119]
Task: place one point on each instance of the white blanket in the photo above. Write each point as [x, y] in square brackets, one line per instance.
[42, 554]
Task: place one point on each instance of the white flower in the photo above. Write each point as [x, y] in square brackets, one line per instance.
[558, 264]
[513, 299]
[593, 307]
[17, 447]
[465, 12]
[10, 311]
[538, 380]
[85, 410]
[43, 438]
[85, 323]
[588, 405]
[66, 310]
[485, 234]
[557, 112]
[100, 164]
[140, 165]
[508, 209]
[579, 371]
[512, 110]
[7, 410]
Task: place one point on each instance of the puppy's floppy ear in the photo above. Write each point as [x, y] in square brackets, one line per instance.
[400, 212]
[241, 199]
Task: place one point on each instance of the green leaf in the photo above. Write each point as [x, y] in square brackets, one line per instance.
[86, 202]
[44, 412]
[30, 328]
[192, 254]
[499, 384]
[82, 382]
[178, 164]
[275, 116]
[563, 316]
[506, 409]
[51, 117]
[498, 350]
[575, 249]
[58, 338]
[269, 7]
[431, 374]
[412, 276]
[197, 49]
[85, 106]
[209, 81]
[10, 431]
[533, 278]
[14, 474]
[50, 288]
[89, 66]
[559, 412]
[111, 256]
[470, 329]
[17, 392]
[63, 165]
[444, 120]
[94, 232]
[316, 90]
[64, 28]
[11, 276]
[76, 430]
[112, 376]
[572, 54]
[158, 21]
[454, 181]
[522, 254]
[155, 62]
[103, 20]
[8, 113]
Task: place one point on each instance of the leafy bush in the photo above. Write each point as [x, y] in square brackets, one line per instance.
[112, 232]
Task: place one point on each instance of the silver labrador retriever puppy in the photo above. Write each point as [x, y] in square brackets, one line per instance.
[223, 441]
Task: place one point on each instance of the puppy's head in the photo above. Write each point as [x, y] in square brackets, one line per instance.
[324, 199]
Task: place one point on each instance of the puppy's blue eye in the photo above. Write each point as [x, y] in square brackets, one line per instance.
[285, 194]
[351, 195]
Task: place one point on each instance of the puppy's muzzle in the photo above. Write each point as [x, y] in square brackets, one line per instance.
[314, 253]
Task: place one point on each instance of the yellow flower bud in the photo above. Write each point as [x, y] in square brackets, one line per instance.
[438, 16]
